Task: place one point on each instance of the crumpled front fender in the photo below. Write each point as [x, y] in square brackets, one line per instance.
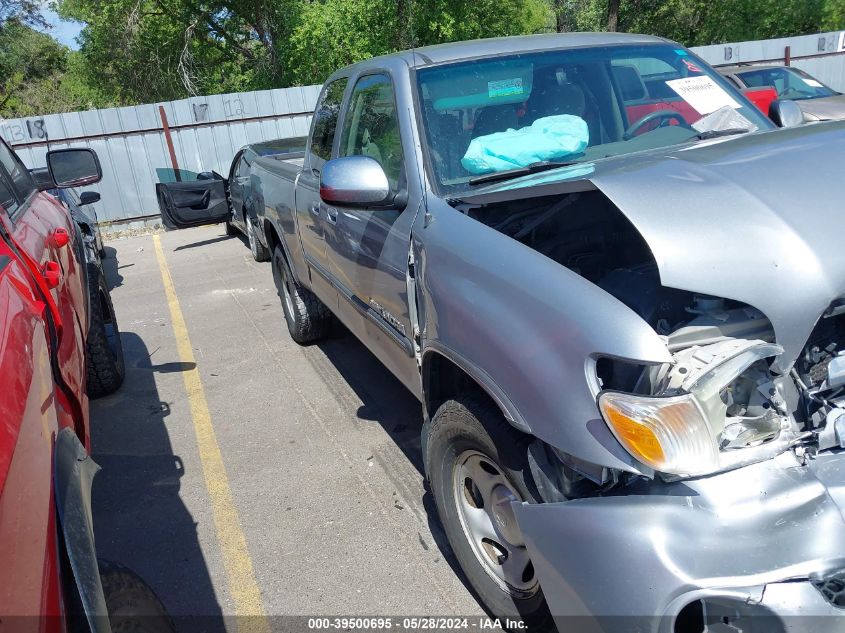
[632, 562]
[528, 330]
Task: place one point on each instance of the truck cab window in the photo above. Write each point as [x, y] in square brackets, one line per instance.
[21, 180]
[371, 127]
[7, 198]
[325, 122]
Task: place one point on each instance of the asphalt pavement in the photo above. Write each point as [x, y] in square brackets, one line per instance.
[299, 491]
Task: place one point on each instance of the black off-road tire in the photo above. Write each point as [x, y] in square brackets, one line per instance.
[472, 422]
[132, 605]
[307, 317]
[104, 350]
[260, 253]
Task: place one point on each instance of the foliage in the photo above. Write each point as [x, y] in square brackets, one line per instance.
[24, 11]
[329, 34]
[27, 58]
[141, 51]
[697, 22]
[152, 50]
[38, 75]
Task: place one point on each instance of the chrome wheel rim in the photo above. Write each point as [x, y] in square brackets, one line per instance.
[250, 234]
[286, 295]
[483, 497]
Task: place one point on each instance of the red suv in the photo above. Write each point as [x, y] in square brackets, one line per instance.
[47, 555]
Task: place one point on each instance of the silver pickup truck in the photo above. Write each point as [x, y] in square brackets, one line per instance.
[618, 291]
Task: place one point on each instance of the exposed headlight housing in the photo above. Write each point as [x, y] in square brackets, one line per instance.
[669, 434]
[682, 426]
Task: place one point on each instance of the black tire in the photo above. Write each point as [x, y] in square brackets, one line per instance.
[307, 317]
[104, 349]
[231, 229]
[132, 605]
[260, 253]
[473, 423]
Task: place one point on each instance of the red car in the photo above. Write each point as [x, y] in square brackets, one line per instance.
[47, 555]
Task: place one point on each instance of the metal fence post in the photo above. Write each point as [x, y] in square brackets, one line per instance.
[169, 140]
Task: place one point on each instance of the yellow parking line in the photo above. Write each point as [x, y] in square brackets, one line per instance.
[243, 586]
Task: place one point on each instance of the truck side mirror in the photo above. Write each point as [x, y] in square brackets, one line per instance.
[354, 181]
[786, 113]
[88, 197]
[41, 176]
[73, 167]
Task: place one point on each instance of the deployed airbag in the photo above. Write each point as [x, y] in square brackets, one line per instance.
[549, 138]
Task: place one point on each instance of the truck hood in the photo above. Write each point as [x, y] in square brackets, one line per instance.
[823, 108]
[755, 218]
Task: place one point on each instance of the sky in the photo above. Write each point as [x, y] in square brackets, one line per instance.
[63, 31]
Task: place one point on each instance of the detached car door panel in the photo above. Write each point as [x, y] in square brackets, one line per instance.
[187, 204]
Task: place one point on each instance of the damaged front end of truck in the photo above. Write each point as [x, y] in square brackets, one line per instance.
[741, 527]
[731, 516]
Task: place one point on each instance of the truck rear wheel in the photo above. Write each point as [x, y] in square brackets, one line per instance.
[132, 605]
[258, 250]
[478, 465]
[103, 348]
[307, 317]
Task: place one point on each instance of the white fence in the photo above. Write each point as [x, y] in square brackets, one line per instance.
[205, 132]
[132, 142]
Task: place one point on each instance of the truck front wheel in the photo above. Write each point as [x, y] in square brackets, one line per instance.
[104, 349]
[478, 465]
[307, 317]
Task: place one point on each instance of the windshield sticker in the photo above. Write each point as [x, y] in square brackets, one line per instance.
[504, 88]
[702, 93]
[691, 66]
[681, 52]
[813, 83]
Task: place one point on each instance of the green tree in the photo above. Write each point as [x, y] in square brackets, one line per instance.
[28, 60]
[148, 50]
[141, 51]
[330, 34]
[833, 15]
[24, 11]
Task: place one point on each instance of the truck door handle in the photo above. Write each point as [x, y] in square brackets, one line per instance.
[315, 208]
[331, 214]
[58, 238]
[52, 273]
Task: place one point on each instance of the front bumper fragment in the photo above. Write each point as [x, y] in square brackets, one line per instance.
[748, 542]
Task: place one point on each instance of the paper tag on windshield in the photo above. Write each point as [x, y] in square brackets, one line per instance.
[813, 83]
[702, 93]
[504, 88]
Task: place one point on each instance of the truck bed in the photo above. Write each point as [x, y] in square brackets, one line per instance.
[285, 165]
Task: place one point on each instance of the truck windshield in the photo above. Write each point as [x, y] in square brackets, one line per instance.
[505, 115]
[790, 83]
